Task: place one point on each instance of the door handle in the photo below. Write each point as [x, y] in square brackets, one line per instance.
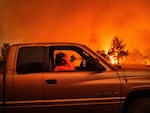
[51, 81]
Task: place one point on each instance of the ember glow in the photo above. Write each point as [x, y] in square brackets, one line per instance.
[91, 22]
[113, 60]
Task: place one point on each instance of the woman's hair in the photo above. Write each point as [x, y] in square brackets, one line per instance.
[59, 58]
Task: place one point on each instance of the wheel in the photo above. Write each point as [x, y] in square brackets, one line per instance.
[140, 106]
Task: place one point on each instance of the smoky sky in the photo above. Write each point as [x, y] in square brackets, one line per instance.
[91, 22]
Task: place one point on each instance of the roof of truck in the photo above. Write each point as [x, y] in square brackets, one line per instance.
[49, 43]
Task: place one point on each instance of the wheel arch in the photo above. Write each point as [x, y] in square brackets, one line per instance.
[134, 95]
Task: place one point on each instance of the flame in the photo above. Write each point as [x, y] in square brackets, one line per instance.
[70, 21]
[113, 60]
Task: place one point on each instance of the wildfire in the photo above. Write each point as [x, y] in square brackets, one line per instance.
[112, 60]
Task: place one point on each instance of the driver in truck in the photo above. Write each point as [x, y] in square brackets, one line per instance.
[63, 63]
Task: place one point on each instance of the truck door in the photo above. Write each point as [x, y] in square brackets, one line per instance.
[79, 91]
[27, 81]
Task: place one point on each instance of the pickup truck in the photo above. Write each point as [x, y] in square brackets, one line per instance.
[29, 83]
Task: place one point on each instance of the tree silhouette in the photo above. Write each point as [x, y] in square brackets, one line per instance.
[117, 49]
[4, 51]
[104, 54]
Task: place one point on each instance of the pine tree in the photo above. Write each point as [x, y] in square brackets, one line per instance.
[4, 51]
[117, 49]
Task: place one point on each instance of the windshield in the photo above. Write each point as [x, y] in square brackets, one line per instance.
[100, 57]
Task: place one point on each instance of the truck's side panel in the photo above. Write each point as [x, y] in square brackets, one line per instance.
[23, 88]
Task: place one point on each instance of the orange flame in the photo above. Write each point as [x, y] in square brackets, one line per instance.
[113, 60]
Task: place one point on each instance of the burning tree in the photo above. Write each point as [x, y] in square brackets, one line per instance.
[117, 49]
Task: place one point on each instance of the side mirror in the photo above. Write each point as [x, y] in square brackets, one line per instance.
[94, 65]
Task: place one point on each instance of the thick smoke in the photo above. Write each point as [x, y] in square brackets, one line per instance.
[137, 57]
[92, 22]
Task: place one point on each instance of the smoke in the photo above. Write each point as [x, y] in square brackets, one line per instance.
[137, 57]
[92, 22]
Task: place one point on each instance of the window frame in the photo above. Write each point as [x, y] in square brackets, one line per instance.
[79, 50]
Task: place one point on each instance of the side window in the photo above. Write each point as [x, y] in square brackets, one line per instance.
[74, 57]
[81, 60]
[30, 60]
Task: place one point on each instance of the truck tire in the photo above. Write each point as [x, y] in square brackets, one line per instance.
[140, 106]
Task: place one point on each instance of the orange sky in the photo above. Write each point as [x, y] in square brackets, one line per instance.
[91, 22]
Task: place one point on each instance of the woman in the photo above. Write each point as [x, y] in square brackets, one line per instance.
[63, 63]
